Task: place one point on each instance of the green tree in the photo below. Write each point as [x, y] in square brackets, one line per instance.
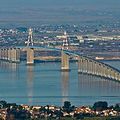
[3, 104]
[99, 106]
[117, 108]
[67, 105]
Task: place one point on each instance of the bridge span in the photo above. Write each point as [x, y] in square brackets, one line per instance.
[86, 65]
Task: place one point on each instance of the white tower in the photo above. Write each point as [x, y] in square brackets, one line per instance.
[65, 41]
[30, 38]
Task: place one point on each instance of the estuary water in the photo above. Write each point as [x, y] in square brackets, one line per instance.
[44, 83]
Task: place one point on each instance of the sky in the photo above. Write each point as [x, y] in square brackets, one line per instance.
[59, 10]
[60, 3]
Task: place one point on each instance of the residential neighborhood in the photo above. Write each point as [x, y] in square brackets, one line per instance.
[12, 111]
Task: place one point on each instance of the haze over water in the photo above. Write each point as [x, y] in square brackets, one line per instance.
[36, 12]
[44, 83]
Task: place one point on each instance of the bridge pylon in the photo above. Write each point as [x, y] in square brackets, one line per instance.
[29, 42]
[65, 41]
[64, 56]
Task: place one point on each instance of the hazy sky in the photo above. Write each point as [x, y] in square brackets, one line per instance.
[58, 10]
[60, 3]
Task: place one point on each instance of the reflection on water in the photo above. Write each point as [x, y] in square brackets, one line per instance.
[92, 89]
[65, 85]
[89, 85]
[30, 78]
[10, 68]
[46, 84]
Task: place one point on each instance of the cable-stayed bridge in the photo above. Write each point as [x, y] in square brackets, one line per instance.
[86, 65]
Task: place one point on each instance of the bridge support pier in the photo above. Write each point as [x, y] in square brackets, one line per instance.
[112, 74]
[90, 67]
[64, 61]
[5, 54]
[17, 55]
[14, 55]
[100, 70]
[80, 67]
[0, 54]
[9, 54]
[103, 71]
[86, 65]
[30, 56]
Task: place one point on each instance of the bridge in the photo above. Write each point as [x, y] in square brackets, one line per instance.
[86, 65]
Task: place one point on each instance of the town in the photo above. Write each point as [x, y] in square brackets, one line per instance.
[97, 42]
[99, 111]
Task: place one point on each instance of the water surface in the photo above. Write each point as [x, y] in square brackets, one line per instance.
[44, 83]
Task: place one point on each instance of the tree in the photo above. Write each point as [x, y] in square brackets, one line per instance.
[67, 105]
[3, 104]
[99, 106]
[117, 108]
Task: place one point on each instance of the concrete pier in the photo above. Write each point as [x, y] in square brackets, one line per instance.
[17, 55]
[64, 61]
[0, 54]
[79, 64]
[30, 56]
[9, 54]
[14, 55]
[5, 54]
